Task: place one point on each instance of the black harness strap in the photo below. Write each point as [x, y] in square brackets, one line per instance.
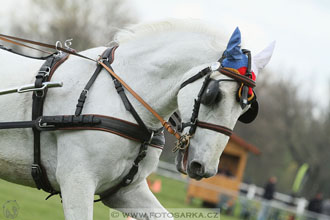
[108, 57]
[199, 75]
[104, 123]
[37, 171]
[17, 124]
[143, 134]
[83, 94]
[92, 122]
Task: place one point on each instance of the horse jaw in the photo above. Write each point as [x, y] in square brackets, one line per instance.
[203, 158]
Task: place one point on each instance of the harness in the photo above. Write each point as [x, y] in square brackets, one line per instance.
[137, 132]
[39, 123]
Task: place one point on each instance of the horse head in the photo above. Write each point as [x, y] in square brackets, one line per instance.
[211, 102]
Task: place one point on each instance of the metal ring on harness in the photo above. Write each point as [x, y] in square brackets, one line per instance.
[182, 143]
[58, 45]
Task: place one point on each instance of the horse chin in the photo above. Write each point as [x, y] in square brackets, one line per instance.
[198, 176]
[181, 161]
[182, 166]
[195, 176]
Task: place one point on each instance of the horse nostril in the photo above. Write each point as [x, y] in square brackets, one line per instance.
[197, 168]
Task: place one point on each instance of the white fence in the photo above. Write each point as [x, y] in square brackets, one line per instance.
[253, 195]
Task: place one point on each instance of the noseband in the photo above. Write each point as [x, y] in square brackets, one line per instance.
[244, 80]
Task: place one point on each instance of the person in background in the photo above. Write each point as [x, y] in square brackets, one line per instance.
[315, 204]
[270, 188]
[267, 196]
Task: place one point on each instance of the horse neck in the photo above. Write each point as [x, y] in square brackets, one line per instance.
[154, 67]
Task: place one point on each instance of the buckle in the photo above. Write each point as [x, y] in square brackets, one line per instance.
[43, 73]
[151, 137]
[182, 143]
[85, 91]
[36, 170]
[104, 59]
[44, 124]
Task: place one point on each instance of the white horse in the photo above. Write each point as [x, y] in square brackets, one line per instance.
[154, 59]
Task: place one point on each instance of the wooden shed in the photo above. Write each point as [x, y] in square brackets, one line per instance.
[230, 173]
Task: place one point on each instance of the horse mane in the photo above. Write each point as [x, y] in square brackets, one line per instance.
[188, 25]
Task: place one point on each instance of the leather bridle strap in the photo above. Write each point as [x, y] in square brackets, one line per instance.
[214, 127]
[238, 77]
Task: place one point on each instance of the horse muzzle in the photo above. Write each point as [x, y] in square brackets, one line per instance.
[194, 169]
[197, 170]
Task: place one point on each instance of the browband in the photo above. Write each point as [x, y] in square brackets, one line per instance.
[240, 78]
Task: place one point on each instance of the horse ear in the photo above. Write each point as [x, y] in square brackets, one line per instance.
[233, 50]
[262, 58]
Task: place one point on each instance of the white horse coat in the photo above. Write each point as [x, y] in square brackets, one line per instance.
[154, 60]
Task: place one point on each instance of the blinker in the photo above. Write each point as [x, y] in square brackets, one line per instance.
[211, 94]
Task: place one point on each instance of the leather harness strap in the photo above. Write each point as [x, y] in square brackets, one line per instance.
[107, 58]
[165, 124]
[240, 78]
[83, 94]
[37, 171]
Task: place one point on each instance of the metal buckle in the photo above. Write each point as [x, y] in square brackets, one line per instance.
[182, 143]
[44, 73]
[58, 45]
[68, 43]
[193, 123]
[44, 125]
[151, 137]
[104, 59]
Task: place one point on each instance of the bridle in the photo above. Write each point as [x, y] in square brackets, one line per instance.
[242, 97]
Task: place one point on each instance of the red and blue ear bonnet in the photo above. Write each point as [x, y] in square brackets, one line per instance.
[235, 59]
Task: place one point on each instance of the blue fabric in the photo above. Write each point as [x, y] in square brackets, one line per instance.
[233, 53]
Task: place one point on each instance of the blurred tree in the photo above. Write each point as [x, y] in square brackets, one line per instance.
[88, 23]
[288, 135]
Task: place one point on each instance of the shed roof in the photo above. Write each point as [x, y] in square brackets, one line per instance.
[242, 143]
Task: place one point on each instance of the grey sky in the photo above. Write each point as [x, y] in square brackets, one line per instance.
[300, 27]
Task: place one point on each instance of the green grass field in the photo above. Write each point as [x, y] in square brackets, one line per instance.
[32, 204]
